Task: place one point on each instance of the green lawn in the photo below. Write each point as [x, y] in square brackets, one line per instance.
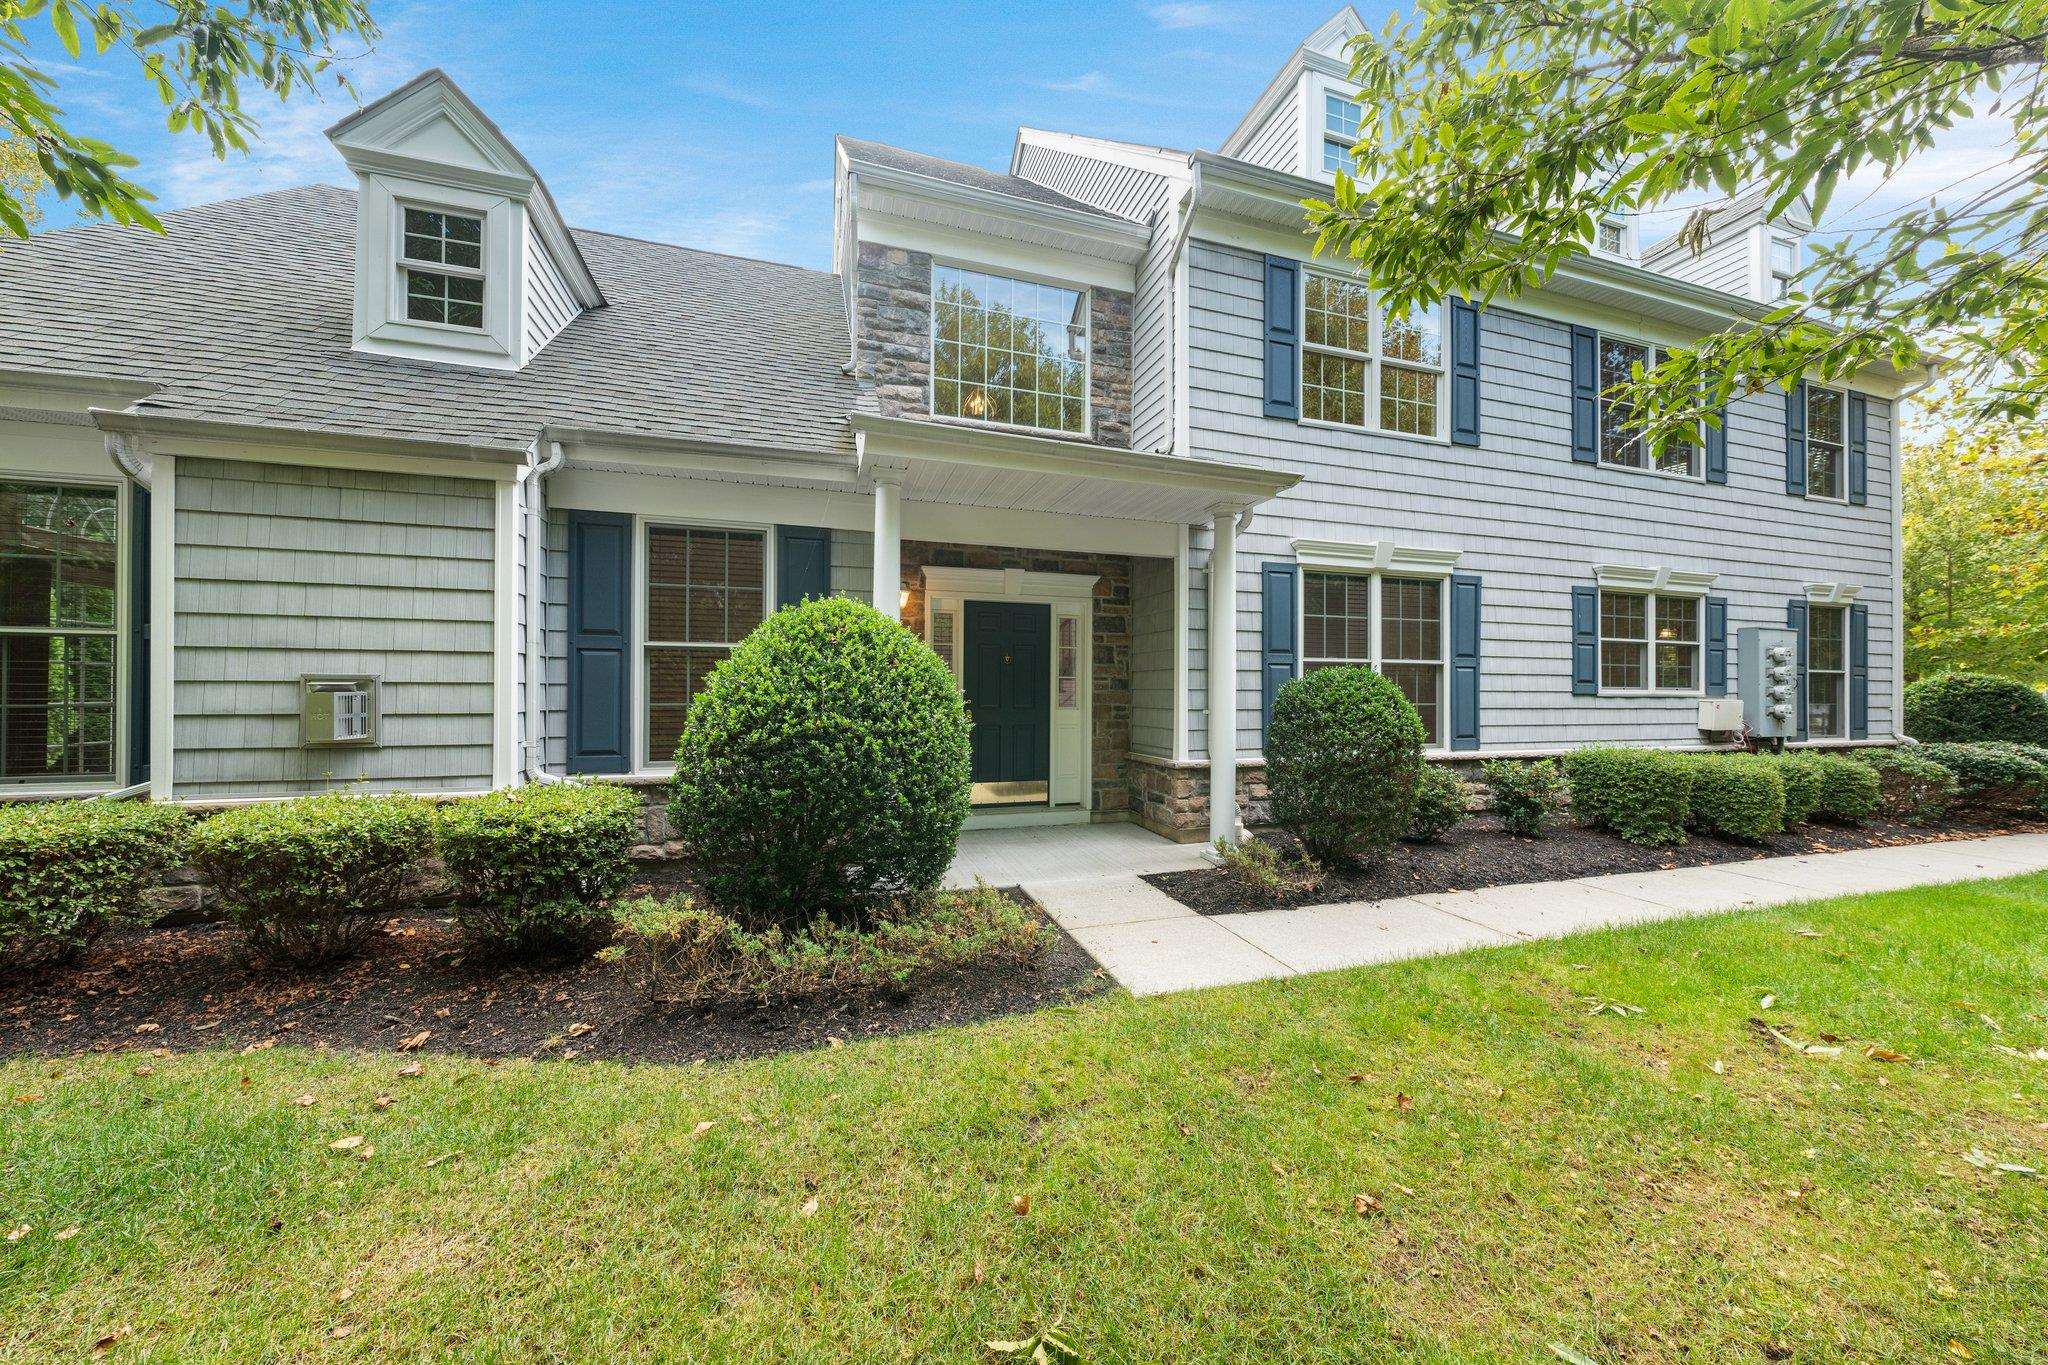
[1633, 1186]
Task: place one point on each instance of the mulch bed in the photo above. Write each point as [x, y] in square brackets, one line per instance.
[193, 987]
[1479, 853]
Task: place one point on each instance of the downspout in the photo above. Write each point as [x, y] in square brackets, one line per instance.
[534, 751]
[121, 450]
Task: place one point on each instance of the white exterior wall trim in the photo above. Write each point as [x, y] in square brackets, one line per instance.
[1630, 578]
[1377, 556]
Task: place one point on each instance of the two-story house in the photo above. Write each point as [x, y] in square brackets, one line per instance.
[418, 488]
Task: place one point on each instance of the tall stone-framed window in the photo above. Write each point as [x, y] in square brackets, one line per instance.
[59, 618]
[706, 591]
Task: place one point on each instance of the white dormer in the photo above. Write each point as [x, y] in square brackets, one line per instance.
[1308, 116]
[1736, 246]
[461, 256]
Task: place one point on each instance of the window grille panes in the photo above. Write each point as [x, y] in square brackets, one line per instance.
[1009, 351]
[455, 300]
[1611, 237]
[1784, 266]
[1412, 645]
[1336, 619]
[1824, 442]
[1678, 643]
[706, 591]
[1342, 119]
[1621, 444]
[1624, 641]
[1827, 678]
[942, 639]
[59, 584]
[1408, 391]
[1070, 662]
[444, 238]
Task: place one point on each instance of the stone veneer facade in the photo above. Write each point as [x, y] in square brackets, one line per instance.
[892, 305]
[1111, 648]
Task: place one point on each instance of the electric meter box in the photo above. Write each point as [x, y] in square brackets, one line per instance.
[1767, 676]
[338, 712]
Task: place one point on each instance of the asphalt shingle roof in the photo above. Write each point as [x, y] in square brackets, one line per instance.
[242, 312]
[960, 173]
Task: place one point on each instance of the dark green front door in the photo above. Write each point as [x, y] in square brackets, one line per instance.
[1008, 679]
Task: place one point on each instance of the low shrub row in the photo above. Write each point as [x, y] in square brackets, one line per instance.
[681, 953]
[1975, 708]
[1995, 778]
[1653, 796]
[69, 870]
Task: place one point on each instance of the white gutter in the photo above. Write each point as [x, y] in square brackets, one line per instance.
[533, 753]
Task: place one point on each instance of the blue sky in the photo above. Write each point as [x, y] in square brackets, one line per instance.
[712, 125]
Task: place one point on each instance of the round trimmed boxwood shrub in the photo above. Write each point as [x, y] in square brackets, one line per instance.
[1343, 757]
[1524, 795]
[1641, 795]
[1802, 785]
[1912, 788]
[1848, 789]
[306, 879]
[1974, 708]
[823, 769]
[535, 867]
[1993, 779]
[1737, 796]
[1439, 804]
[71, 869]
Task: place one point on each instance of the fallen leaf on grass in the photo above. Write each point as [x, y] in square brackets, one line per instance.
[1767, 1002]
[145, 1070]
[1020, 1205]
[434, 1161]
[416, 1041]
[1884, 1054]
[1719, 1067]
[304, 1100]
[106, 1343]
[1614, 1007]
[1564, 1352]
[411, 1069]
[1364, 1205]
[340, 1330]
[2039, 1054]
[810, 1207]
[1404, 1103]
[347, 1144]
[16, 1234]
[704, 1127]
[264, 1046]
[1791, 1044]
[1960, 1351]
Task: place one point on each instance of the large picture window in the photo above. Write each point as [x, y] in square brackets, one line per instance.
[1649, 642]
[1825, 424]
[706, 591]
[1337, 615]
[59, 581]
[1365, 367]
[1827, 672]
[1009, 351]
[1622, 446]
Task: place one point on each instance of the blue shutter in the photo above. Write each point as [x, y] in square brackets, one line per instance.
[138, 635]
[600, 647]
[1279, 658]
[1585, 641]
[1795, 617]
[1717, 448]
[1464, 373]
[1585, 395]
[1283, 342]
[1859, 449]
[1859, 671]
[1717, 646]
[1795, 440]
[803, 564]
[1464, 661]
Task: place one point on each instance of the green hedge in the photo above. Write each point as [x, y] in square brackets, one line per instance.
[1849, 790]
[1994, 779]
[1641, 795]
[1912, 788]
[1439, 804]
[1802, 780]
[1343, 757]
[1524, 795]
[823, 769]
[306, 879]
[1975, 708]
[71, 869]
[533, 868]
[1738, 796]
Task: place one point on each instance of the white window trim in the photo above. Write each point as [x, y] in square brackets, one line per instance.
[1840, 604]
[1842, 464]
[406, 265]
[644, 764]
[1436, 569]
[1087, 292]
[30, 788]
[1374, 361]
[1654, 598]
[1767, 276]
[1650, 348]
[1324, 139]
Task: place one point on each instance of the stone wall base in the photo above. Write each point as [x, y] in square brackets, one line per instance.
[1172, 798]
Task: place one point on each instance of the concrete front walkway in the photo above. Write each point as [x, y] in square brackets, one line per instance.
[1153, 944]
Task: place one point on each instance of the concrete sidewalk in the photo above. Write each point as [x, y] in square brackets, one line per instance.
[1153, 944]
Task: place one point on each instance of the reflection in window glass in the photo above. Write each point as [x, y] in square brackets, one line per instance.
[59, 585]
[1341, 121]
[1827, 674]
[1624, 640]
[1336, 630]
[1824, 442]
[1009, 351]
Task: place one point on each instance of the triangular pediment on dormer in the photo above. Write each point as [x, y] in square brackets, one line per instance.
[1336, 31]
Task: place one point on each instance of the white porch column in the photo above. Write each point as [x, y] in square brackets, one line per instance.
[888, 545]
[1223, 675]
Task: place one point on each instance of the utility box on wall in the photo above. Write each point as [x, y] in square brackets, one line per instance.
[338, 712]
[1767, 671]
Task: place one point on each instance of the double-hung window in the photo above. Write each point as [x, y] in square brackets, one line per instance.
[1363, 366]
[441, 255]
[1337, 615]
[1825, 423]
[1622, 445]
[706, 591]
[1649, 642]
[1009, 351]
[59, 588]
[1784, 266]
[1342, 119]
[1827, 672]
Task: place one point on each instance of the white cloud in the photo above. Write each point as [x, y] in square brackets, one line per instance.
[731, 91]
[1087, 83]
[1184, 14]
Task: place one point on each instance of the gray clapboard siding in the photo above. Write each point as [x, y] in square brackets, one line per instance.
[1724, 264]
[1277, 141]
[1152, 376]
[550, 306]
[1526, 518]
[1152, 657]
[285, 570]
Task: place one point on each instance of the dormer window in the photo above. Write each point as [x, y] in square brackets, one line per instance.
[442, 259]
[1342, 119]
[1784, 266]
[1613, 237]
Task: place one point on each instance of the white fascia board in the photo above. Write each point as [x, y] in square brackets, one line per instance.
[68, 391]
[303, 445]
[957, 245]
[704, 458]
[1633, 578]
[1079, 230]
